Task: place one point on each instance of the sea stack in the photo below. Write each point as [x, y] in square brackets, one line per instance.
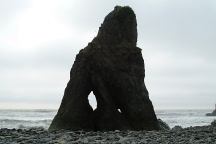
[213, 113]
[113, 68]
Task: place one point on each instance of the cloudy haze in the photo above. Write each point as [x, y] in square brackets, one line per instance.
[40, 38]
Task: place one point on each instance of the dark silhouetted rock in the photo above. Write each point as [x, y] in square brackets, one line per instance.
[213, 123]
[213, 113]
[163, 125]
[177, 128]
[113, 68]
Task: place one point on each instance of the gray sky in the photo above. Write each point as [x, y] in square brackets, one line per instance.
[40, 38]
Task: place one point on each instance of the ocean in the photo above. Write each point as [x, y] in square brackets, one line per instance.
[42, 118]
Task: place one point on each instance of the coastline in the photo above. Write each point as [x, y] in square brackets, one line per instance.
[197, 134]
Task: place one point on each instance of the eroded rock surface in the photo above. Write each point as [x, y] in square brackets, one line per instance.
[113, 68]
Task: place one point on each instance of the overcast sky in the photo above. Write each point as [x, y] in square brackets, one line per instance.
[40, 38]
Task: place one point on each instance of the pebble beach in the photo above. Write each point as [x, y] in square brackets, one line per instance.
[190, 135]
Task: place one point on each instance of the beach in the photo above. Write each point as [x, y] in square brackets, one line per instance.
[30, 126]
[190, 135]
[20, 119]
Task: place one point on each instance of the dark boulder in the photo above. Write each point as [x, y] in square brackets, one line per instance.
[213, 123]
[113, 68]
[163, 125]
[177, 128]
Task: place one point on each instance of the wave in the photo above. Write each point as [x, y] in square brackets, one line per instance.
[42, 118]
[16, 120]
[15, 123]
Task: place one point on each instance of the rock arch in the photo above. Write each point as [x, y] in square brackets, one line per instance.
[113, 68]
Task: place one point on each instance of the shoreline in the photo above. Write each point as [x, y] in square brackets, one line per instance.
[197, 134]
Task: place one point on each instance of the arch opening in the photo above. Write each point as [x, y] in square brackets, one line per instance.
[92, 100]
[119, 110]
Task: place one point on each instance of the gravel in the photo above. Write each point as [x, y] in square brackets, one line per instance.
[190, 135]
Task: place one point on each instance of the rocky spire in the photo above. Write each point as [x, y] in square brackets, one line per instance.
[119, 26]
[113, 68]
